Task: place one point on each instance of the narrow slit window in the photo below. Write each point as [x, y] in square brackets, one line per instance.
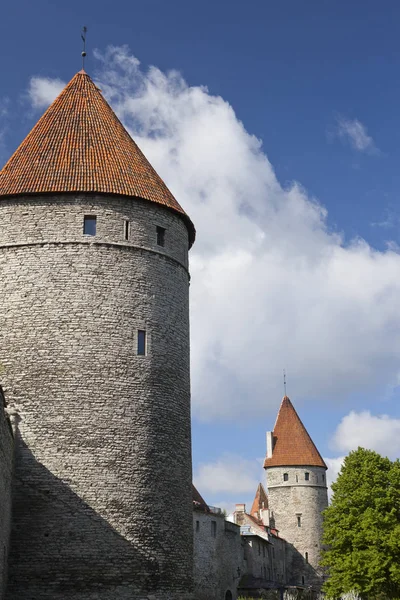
[214, 528]
[306, 557]
[307, 476]
[160, 236]
[302, 580]
[285, 477]
[126, 230]
[298, 520]
[89, 225]
[197, 525]
[141, 342]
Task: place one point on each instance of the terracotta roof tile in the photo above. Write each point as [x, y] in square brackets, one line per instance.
[79, 145]
[292, 446]
[260, 501]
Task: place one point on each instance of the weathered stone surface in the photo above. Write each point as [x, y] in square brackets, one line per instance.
[6, 466]
[298, 498]
[102, 488]
[218, 556]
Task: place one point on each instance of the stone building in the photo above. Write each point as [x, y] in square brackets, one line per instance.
[279, 541]
[94, 355]
[297, 493]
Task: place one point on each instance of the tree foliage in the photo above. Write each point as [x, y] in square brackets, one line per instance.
[362, 528]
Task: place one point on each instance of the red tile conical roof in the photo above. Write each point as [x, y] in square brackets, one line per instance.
[292, 446]
[260, 501]
[79, 145]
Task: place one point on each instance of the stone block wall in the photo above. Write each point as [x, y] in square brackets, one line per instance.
[218, 556]
[296, 507]
[6, 467]
[103, 459]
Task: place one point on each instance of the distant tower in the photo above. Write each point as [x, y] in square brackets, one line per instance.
[94, 350]
[297, 493]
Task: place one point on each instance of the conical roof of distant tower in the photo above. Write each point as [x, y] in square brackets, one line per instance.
[292, 446]
[80, 145]
[260, 501]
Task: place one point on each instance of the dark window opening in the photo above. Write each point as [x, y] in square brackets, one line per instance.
[126, 230]
[214, 528]
[141, 342]
[89, 225]
[323, 478]
[302, 579]
[307, 476]
[160, 236]
[298, 521]
[197, 525]
[228, 595]
[285, 477]
[306, 557]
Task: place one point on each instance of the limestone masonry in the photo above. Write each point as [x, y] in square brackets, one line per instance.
[277, 545]
[94, 354]
[96, 496]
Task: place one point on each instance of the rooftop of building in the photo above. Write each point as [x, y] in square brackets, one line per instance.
[80, 145]
[260, 501]
[292, 445]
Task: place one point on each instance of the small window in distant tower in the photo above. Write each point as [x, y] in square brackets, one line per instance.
[197, 525]
[89, 225]
[298, 520]
[302, 579]
[160, 236]
[141, 342]
[126, 229]
[323, 478]
[307, 476]
[306, 557]
[285, 477]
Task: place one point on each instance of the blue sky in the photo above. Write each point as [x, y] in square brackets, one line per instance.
[312, 283]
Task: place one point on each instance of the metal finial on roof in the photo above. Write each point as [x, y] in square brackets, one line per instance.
[284, 381]
[83, 36]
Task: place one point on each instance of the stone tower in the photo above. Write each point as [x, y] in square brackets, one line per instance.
[297, 493]
[94, 355]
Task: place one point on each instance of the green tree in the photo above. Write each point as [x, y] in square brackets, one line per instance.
[362, 528]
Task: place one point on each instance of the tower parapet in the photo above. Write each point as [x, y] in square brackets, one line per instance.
[297, 493]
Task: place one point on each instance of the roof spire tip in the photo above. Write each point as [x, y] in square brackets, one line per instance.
[83, 36]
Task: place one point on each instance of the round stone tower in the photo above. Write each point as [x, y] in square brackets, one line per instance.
[94, 358]
[297, 493]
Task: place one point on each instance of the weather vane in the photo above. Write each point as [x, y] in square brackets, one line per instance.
[284, 381]
[83, 36]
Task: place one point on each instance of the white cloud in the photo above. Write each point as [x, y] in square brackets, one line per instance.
[355, 133]
[272, 287]
[334, 465]
[230, 474]
[43, 90]
[380, 433]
